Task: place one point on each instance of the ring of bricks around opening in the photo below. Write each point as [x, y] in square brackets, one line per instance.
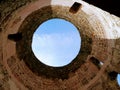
[27, 29]
[29, 25]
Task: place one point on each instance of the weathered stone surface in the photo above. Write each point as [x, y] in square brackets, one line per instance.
[100, 33]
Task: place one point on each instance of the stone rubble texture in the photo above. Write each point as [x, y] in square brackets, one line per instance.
[100, 33]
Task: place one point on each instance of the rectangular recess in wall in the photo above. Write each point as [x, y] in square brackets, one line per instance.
[75, 7]
[15, 37]
[0, 29]
[96, 62]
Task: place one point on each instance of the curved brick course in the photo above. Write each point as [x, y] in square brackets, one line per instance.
[100, 33]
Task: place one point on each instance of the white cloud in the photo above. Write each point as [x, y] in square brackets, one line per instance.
[56, 49]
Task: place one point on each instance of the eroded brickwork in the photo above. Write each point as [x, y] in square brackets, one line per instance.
[100, 33]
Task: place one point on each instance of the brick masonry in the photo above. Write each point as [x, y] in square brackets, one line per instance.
[100, 33]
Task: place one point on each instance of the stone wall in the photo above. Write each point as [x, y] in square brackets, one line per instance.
[100, 33]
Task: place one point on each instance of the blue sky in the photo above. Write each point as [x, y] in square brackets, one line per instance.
[57, 42]
[118, 79]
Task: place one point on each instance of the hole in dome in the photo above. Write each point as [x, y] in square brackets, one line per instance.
[15, 37]
[75, 7]
[96, 62]
[118, 79]
[113, 75]
[56, 42]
